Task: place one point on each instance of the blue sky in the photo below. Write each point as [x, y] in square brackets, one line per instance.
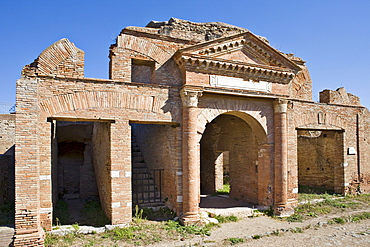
[333, 36]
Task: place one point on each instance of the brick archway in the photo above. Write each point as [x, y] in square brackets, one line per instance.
[106, 99]
[252, 183]
[259, 117]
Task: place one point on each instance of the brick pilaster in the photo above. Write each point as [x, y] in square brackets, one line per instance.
[27, 167]
[121, 200]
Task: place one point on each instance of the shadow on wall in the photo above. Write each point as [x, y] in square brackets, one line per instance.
[7, 189]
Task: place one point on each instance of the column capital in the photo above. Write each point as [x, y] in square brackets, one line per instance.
[280, 105]
[190, 96]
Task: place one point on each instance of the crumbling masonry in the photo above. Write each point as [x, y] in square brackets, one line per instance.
[194, 101]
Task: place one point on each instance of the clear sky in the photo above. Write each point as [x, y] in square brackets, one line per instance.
[333, 36]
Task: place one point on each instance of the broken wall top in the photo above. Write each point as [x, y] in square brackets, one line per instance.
[62, 58]
[187, 30]
[339, 96]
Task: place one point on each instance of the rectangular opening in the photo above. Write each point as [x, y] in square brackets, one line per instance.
[80, 172]
[142, 70]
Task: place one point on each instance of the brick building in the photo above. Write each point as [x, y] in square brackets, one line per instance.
[191, 102]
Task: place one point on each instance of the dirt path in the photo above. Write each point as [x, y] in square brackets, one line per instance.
[319, 234]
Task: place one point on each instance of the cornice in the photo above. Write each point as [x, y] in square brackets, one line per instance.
[247, 71]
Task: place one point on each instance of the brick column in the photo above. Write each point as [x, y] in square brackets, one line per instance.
[190, 156]
[281, 159]
[28, 231]
[120, 173]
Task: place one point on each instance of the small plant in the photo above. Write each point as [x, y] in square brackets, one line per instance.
[275, 233]
[233, 241]
[296, 230]
[256, 236]
[225, 190]
[175, 226]
[295, 218]
[138, 216]
[269, 212]
[61, 213]
[75, 227]
[225, 219]
[162, 213]
[339, 220]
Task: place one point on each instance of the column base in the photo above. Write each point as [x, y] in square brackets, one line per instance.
[33, 239]
[283, 210]
[190, 219]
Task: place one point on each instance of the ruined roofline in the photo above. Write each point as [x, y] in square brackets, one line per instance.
[54, 55]
[187, 30]
[171, 21]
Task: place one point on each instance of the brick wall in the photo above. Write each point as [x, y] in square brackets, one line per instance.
[102, 164]
[319, 158]
[7, 132]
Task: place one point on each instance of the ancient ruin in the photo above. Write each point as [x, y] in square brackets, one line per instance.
[186, 104]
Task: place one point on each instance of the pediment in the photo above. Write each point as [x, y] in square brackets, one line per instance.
[244, 47]
[243, 53]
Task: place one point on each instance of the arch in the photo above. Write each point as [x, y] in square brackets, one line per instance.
[319, 120]
[232, 147]
[103, 99]
[259, 117]
[145, 47]
[55, 54]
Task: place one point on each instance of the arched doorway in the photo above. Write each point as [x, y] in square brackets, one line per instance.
[229, 156]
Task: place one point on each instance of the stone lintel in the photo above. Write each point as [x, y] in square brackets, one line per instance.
[77, 119]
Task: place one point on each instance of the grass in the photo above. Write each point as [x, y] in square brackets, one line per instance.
[309, 193]
[225, 219]
[327, 206]
[143, 232]
[159, 214]
[233, 241]
[93, 214]
[60, 213]
[225, 189]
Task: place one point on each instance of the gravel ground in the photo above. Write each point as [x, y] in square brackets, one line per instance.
[318, 234]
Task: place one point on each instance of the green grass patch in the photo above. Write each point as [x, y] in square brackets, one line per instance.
[295, 218]
[61, 214]
[233, 241]
[225, 189]
[225, 219]
[175, 226]
[160, 214]
[93, 215]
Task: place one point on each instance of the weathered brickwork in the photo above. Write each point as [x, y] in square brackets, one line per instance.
[201, 100]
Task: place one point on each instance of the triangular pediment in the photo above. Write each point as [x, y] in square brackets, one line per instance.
[245, 47]
[243, 52]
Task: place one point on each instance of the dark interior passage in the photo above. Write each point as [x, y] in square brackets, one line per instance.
[76, 155]
[229, 154]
